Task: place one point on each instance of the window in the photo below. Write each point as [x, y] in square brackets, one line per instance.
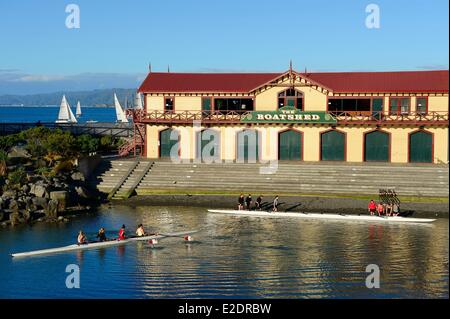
[291, 98]
[399, 105]
[206, 105]
[233, 104]
[422, 105]
[169, 103]
[349, 105]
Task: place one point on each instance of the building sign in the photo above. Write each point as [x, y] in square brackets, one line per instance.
[288, 115]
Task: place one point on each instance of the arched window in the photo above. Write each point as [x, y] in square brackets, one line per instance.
[292, 98]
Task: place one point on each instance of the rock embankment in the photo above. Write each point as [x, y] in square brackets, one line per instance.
[49, 199]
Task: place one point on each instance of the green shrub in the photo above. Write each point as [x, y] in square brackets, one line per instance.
[43, 170]
[9, 141]
[87, 144]
[17, 177]
[61, 143]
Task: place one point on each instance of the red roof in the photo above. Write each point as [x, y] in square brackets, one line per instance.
[384, 82]
[205, 82]
[339, 82]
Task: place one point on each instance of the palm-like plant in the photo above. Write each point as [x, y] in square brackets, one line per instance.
[3, 164]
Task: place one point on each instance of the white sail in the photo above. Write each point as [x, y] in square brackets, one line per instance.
[138, 102]
[120, 114]
[78, 112]
[65, 113]
[72, 118]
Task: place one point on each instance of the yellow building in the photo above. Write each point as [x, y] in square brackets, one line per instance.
[397, 117]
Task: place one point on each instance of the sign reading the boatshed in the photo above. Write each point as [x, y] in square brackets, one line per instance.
[288, 114]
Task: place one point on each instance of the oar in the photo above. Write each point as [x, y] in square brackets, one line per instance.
[179, 234]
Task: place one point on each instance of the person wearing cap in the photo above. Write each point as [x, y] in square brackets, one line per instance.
[122, 233]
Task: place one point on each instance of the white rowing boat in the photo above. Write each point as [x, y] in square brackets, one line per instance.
[396, 219]
[93, 245]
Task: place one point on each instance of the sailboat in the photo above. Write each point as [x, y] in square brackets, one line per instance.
[78, 111]
[138, 102]
[120, 114]
[65, 113]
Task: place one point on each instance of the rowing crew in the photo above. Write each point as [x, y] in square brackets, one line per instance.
[383, 209]
[101, 235]
[247, 202]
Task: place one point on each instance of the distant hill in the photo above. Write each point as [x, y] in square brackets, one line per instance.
[87, 98]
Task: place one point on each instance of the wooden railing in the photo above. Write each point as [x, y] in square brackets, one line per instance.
[343, 118]
[381, 118]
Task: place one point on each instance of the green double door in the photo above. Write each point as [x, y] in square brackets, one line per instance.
[332, 144]
[290, 146]
[208, 145]
[421, 147]
[376, 147]
[166, 143]
[248, 146]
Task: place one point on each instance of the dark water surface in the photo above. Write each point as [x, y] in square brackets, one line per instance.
[33, 114]
[232, 257]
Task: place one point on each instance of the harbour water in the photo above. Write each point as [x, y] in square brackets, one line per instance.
[49, 114]
[231, 257]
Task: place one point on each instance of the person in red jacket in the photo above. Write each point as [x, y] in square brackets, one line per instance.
[372, 207]
[122, 235]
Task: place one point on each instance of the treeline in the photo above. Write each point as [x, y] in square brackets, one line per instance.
[87, 98]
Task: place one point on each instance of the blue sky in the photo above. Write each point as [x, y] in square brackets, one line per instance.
[117, 39]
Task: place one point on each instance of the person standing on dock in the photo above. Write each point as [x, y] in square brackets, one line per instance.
[275, 204]
[248, 201]
[122, 235]
[241, 202]
[258, 203]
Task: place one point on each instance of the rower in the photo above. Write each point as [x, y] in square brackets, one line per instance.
[258, 202]
[122, 233]
[372, 207]
[140, 232]
[241, 200]
[81, 240]
[275, 204]
[101, 235]
[248, 201]
[380, 209]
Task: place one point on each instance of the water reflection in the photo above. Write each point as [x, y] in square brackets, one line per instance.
[239, 257]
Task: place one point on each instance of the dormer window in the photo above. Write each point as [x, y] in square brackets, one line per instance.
[292, 98]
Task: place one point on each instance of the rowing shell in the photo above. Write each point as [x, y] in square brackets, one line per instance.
[396, 219]
[93, 245]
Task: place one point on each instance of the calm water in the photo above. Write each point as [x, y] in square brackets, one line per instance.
[50, 114]
[232, 257]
